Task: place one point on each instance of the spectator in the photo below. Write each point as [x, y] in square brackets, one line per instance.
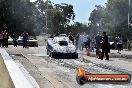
[87, 42]
[81, 42]
[97, 42]
[115, 42]
[92, 45]
[119, 44]
[1, 39]
[105, 46]
[71, 38]
[5, 38]
[15, 37]
[77, 40]
[25, 39]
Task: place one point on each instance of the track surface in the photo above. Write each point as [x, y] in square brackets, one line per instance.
[54, 73]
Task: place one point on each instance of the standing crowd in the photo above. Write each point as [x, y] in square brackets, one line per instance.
[99, 44]
[4, 36]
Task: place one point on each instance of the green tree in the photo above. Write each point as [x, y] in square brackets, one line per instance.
[78, 28]
[17, 15]
[96, 19]
[113, 18]
[118, 12]
[59, 17]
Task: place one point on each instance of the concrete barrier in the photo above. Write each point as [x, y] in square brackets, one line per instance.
[10, 74]
[5, 79]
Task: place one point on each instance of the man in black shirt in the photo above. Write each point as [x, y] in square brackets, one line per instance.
[105, 46]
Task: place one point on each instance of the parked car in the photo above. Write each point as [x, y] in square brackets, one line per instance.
[10, 41]
[31, 42]
[19, 41]
[61, 47]
[112, 45]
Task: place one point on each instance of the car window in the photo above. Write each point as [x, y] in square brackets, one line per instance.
[63, 43]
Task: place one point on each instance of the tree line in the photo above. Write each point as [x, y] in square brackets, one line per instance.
[113, 18]
[23, 15]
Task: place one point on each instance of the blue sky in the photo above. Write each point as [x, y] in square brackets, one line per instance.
[82, 8]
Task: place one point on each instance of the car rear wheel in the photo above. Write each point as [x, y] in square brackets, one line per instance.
[76, 56]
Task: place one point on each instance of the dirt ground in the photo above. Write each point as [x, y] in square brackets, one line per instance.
[53, 73]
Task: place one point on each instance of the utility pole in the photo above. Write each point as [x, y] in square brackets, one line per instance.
[129, 5]
[46, 16]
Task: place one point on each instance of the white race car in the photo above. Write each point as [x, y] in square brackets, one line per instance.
[61, 47]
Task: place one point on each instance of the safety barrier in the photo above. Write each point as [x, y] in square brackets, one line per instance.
[10, 74]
